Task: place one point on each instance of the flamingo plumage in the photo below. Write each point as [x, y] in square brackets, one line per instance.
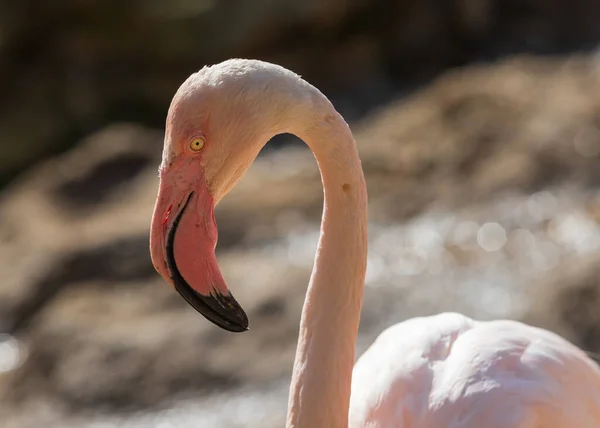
[441, 371]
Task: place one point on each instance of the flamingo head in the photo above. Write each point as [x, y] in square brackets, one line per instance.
[214, 130]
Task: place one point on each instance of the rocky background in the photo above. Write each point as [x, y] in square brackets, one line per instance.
[478, 123]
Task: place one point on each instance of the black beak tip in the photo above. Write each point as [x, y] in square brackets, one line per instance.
[236, 328]
[236, 320]
[222, 310]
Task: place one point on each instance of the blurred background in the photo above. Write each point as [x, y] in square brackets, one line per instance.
[478, 123]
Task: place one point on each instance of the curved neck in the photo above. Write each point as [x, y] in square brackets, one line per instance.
[320, 387]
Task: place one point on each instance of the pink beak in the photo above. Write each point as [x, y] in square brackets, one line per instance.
[182, 245]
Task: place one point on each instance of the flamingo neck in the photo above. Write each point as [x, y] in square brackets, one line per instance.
[322, 375]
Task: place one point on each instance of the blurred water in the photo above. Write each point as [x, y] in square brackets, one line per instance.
[12, 353]
[477, 261]
[246, 408]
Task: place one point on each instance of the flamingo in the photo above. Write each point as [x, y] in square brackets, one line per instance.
[445, 370]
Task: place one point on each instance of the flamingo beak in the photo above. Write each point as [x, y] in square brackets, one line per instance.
[183, 252]
[220, 309]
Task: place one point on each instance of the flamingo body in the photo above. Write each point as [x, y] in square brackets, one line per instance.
[450, 371]
[445, 371]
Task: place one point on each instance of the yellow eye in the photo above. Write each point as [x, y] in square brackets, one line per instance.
[197, 144]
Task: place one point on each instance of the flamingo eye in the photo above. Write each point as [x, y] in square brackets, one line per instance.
[197, 144]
